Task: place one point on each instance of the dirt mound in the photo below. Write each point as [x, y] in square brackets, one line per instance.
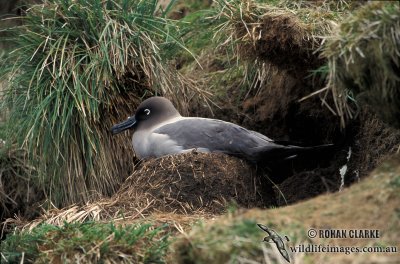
[283, 33]
[197, 181]
[186, 184]
[285, 38]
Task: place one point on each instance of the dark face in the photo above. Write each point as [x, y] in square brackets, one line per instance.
[149, 113]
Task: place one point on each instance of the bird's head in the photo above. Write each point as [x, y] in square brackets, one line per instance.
[150, 112]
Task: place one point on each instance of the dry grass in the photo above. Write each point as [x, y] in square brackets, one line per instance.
[364, 60]
[189, 184]
[18, 193]
[284, 37]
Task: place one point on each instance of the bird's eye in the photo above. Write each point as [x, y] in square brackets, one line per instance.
[147, 111]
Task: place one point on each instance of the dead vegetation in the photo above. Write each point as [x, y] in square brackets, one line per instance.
[19, 192]
[193, 183]
[363, 56]
[286, 38]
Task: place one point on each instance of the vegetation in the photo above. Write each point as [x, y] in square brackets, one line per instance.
[235, 238]
[87, 242]
[364, 62]
[74, 64]
[19, 188]
[77, 67]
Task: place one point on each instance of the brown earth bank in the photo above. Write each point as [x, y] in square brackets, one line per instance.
[276, 112]
[371, 204]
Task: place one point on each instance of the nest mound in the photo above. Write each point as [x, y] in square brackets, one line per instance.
[196, 181]
[187, 184]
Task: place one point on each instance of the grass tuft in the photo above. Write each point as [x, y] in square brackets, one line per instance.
[19, 191]
[77, 68]
[267, 37]
[88, 242]
[364, 62]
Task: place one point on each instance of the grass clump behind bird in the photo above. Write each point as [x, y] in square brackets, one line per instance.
[76, 67]
[283, 35]
[263, 40]
[364, 62]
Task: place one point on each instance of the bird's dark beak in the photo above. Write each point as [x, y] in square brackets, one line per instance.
[127, 124]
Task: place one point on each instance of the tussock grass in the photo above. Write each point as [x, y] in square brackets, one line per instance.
[88, 242]
[364, 62]
[271, 38]
[257, 30]
[19, 191]
[77, 68]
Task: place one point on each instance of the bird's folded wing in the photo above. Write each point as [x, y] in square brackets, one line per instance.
[214, 135]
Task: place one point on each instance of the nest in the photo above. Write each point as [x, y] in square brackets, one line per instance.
[186, 184]
[195, 181]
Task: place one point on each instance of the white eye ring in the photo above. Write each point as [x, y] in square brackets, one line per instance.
[147, 111]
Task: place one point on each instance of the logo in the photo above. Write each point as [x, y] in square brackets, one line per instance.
[277, 239]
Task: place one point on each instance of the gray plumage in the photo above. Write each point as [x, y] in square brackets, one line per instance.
[160, 130]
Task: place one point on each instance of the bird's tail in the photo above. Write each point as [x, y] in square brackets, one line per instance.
[281, 152]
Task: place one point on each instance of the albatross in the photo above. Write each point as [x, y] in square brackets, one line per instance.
[160, 130]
